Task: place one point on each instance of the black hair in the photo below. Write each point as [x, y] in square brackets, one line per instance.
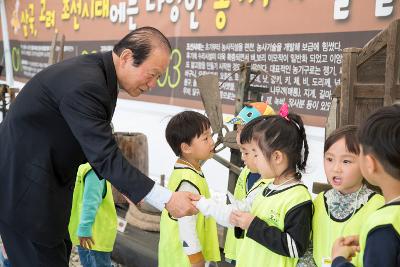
[349, 133]
[247, 134]
[183, 127]
[273, 132]
[141, 42]
[379, 135]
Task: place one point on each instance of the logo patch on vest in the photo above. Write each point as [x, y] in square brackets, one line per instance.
[273, 216]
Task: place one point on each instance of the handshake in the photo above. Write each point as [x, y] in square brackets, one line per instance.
[346, 247]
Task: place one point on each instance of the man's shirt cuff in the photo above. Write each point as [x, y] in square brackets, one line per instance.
[158, 196]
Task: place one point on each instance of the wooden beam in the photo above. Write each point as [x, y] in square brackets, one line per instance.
[60, 56]
[372, 47]
[349, 76]
[242, 92]
[392, 62]
[370, 91]
[52, 55]
[336, 91]
[320, 187]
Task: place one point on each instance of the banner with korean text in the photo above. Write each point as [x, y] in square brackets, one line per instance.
[297, 42]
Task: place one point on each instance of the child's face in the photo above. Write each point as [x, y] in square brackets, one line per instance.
[262, 165]
[248, 157]
[342, 168]
[239, 129]
[202, 147]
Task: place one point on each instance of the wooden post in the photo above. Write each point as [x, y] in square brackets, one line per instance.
[241, 94]
[331, 122]
[349, 76]
[162, 180]
[392, 63]
[52, 50]
[60, 56]
[135, 149]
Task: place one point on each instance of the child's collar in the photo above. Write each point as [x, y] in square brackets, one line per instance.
[182, 163]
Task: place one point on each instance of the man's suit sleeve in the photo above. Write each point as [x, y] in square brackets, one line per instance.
[86, 111]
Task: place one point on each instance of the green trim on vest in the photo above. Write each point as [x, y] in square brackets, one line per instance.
[272, 209]
[388, 214]
[105, 223]
[327, 230]
[170, 250]
[233, 244]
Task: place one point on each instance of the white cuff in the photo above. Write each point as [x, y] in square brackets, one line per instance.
[158, 197]
[219, 211]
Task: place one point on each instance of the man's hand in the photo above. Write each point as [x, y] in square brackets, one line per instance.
[181, 205]
[346, 247]
[86, 242]
[241, 219]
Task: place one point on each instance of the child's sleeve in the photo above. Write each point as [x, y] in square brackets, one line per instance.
[294, 240]
[187, 227]
[92, 198]
[221, 211]
[341, 262]
[382, 247]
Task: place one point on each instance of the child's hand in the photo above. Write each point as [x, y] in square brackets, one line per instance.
[346, 247]
[241, 219]
[86, 242]
[198, 264]
[196, 260]
[351, 240]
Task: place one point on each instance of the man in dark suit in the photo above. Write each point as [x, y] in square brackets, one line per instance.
[61, 119]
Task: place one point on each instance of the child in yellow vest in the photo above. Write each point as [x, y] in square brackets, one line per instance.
[191, 240]
[248, 176]
[277, 216]
[93, 222]
[343, 209]
[379, 239]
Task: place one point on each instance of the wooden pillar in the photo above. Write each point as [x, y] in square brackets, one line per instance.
[52, 55]
[60, 56]
[392, 63]
[241, 98]
[349, 77]
[135, 149]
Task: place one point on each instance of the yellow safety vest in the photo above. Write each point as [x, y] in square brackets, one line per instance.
[105, 224]
[326, 230]
[388, 214]
[232, 244]
[272, 209]
[170, 250]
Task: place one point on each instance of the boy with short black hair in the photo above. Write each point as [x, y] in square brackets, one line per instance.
[379, 240]
[191, 240]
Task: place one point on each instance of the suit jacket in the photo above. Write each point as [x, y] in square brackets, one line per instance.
[59, 120]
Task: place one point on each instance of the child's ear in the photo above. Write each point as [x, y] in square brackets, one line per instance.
[277, 156]
[370, 166]
[185, 148]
